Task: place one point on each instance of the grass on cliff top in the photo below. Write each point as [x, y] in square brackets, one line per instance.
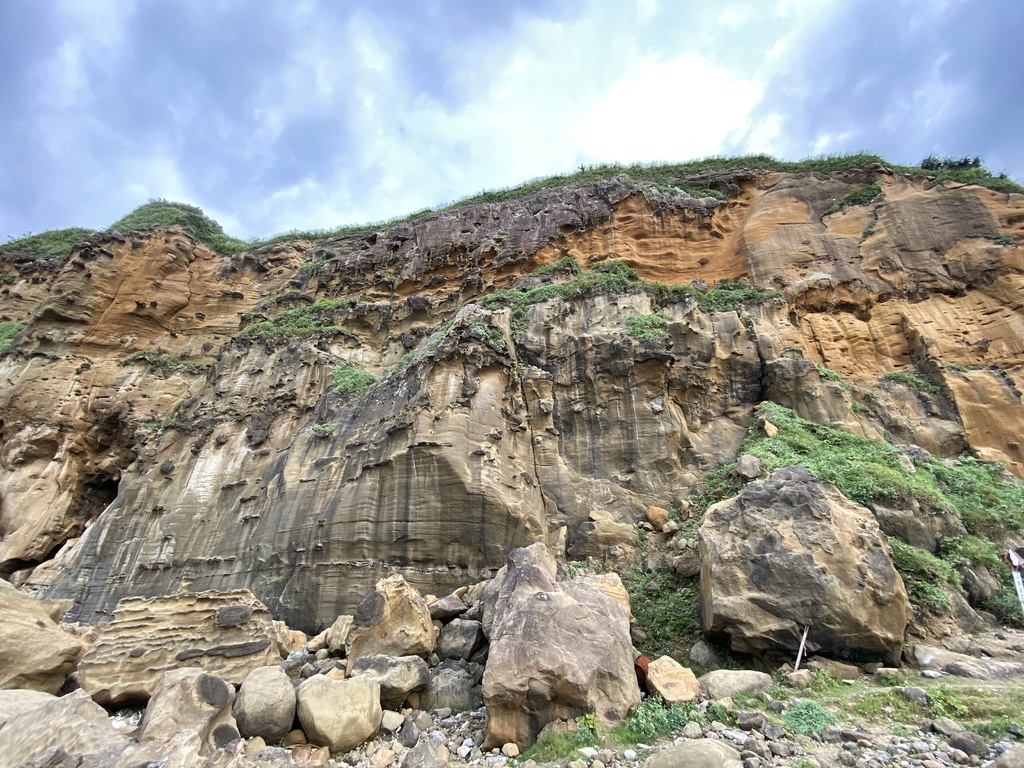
[158, 214]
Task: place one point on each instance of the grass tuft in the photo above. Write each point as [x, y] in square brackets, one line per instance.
[349, 378]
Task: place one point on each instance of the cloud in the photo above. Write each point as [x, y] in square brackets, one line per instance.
[315, 114]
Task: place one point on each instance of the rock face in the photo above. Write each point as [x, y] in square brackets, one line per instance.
[227, 634]
[558, 650]
[34, 651]
[177, 444]
[792, 552]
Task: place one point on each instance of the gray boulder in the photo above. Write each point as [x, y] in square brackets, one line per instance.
[454, 684]
[266, 704]
[459, 639]
[397, 676]
[725, 683]
[700, 753]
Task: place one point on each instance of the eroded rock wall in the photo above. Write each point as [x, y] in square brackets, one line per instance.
[218, 461]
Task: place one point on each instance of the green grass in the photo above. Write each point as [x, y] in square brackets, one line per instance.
[651, 719]
[616, 278]
[348, 378]
[862, 196]
[53, 242]
[313, 320]
[1004, 239]
[7, 333]
[161, 214]
[688, 177]
[669, 614]
[806, 717]
[565, 264]
[925, 576]
[164, 360]
[913, 380]
[653, 328]
[559, 746]
[827, 374]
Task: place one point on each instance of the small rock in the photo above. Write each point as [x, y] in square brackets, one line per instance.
[751, 721]
[692, 730]
[577, 764]
[945, 726]
[932, 674]
[510, 749]
[629, 754]
[391, 721]
[916, 695]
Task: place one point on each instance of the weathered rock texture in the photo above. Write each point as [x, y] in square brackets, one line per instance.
[793, 552]
[190, 700]
[558, 651]
[232, 462]
[227, 634]
[34, 651]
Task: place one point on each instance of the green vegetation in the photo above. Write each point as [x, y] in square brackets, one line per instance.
[564, 264]
[1005, 239]
[651, 719]
[53, 242]
[806, 717]
[924, 576]
[348, 378]
[617, 277]
[492, 334]
[666, 606]
[7, 333]
[323, 429]
[862, 196]
[314, 320]
[652, 328]
[663, 176]
[6, 278]
[913, 380]
[165, 361]
[555, 745]
[161, 214]
[827, 374]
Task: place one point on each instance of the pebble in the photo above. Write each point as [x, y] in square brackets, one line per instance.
[630, 754]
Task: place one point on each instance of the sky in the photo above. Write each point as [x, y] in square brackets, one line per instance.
[307, 114]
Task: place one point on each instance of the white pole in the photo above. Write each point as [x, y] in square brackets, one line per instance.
[1016, 563]
[803, 641]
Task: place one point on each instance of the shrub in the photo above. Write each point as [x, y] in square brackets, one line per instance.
[807, 717]
[1005, 239]
[913, 380]
[827, 374]
[652, 328]
[7, 333]
[165, 361]
[651, 718]
[666, 607]
[350, 378]
[924, 574]
[862, 196]
[302, 322]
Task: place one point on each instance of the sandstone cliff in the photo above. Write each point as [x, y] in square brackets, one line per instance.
[177, 419]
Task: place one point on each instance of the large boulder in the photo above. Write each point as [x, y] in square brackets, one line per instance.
[600, 534]
[227, 634]
[726, 683]
[34, 651]
[700, 753]
[672, 681]
[397, 676]
[455, 685]
[792, 552]
[558, 650]
[459, 639]
[18, 701]
[73, 723]
[960, 664]
[392, 620]
[339, 714]
[265, 705]
[190, 700]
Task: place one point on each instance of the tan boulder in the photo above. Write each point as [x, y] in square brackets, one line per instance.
[34, 651]
[699, 753]
[726, 683]
[600, 533]
[792, 552]
[338, 714]
[190, 700]
[657, 516]
[611, 585]
[836, 669]
[672, 681]
[227, 634]
[397, 676]
[392, 620]
[73, 723]
[558, 650]
[337, 634]
[18, 701]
